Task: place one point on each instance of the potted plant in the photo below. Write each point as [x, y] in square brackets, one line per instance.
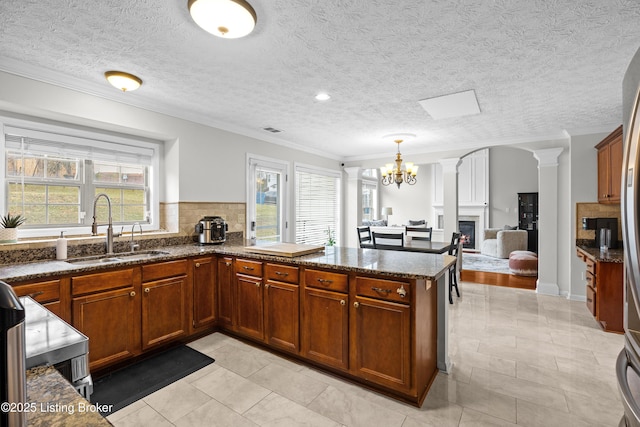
[331, 241]
[9, 230]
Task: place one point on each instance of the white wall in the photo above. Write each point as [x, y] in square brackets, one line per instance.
[202, 163]
[408, 201]
[584, 189]
[511, 171]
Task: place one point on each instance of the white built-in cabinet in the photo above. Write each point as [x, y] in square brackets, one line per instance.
[473, 192]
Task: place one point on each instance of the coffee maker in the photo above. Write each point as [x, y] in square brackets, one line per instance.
[13, 382]
[600, 223]
[211, 230]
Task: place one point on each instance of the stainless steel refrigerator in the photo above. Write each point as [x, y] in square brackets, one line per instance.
[628, 363]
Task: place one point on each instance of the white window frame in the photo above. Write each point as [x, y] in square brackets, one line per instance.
[275, 165]
[330, 173]
[96, 136]
[373, 181]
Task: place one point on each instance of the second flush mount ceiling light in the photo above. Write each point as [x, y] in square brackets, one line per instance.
[230, 19]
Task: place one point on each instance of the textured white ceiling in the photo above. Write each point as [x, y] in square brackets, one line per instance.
[537, 67]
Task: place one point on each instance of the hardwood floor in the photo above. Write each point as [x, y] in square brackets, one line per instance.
[498, 279]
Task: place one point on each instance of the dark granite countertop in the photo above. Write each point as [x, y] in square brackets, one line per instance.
[56, 403]
[410, 265]
[612, 255]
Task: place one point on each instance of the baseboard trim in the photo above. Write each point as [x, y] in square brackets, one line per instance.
[499, 279]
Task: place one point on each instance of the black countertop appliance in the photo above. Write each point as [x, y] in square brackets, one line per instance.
[600, 223]
[211, 230]
[13, 381]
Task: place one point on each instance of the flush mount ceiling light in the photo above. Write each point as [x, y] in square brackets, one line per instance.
[230, 19]
[124, 81]
[397, 174]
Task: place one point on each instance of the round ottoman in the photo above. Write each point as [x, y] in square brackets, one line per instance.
[523, 263]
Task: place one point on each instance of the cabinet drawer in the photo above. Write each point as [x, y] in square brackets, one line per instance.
[248, 267]
[325, 280]
[591, 266]
[581, 255]
[282, 273]
[164, 270]
[101, 281]
[591, 280]
[591, 300]
[389, 290]
[42, 292]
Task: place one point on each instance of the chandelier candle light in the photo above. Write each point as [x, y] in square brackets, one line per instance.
[397, 174]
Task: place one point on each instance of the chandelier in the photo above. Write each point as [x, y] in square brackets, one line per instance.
[397, 174]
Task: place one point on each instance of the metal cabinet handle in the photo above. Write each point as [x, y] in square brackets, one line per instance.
[227, 263]
[266, 286]
[324, 280]
[356, 304]
[385, 291]
[401, 291]
[278, 273]
[257, 284]
[197, 264]
[146, 290]
[247, 268]
[343, 302]
[133, 293]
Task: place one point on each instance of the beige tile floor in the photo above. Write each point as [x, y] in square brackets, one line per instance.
[519, 359]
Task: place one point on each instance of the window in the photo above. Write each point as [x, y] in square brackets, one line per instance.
[317, 205]
[369, 194]
[267, 195]
[53, 174]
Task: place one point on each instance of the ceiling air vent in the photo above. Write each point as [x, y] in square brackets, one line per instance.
[272, 130]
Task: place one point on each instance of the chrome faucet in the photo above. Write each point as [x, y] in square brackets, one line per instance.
[135, 245]
[95, 225]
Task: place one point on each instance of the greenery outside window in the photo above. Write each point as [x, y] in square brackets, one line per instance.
[52, 179]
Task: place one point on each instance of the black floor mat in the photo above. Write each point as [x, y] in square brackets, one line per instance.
[125, 386]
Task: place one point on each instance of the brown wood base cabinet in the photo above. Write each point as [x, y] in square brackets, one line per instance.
[281, 307]
[164, 303]
[106, 308]
[605, 291]
[204, 296]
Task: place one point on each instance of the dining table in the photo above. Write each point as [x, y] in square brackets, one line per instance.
[415, 245]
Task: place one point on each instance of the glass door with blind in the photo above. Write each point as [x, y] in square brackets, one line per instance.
[267, 200]
[317, 194]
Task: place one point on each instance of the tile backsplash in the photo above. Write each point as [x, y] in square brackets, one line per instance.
[595, 210]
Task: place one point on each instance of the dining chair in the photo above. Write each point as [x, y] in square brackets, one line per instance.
[419, 233]
[364, 237]
[453, 274]
[388, 240]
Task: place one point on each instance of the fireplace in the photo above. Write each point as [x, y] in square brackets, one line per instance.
[467, 234]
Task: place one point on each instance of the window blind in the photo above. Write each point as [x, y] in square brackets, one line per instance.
[317, 206]
[43, 143]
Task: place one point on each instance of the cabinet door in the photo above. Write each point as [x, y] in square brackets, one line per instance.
[164, 311]
[111, 321]
[226, 297]
[204, 293]
[382, 342]
[603, 174]
[250, 312]
[615, 161]
[325, 328]
[282, 327]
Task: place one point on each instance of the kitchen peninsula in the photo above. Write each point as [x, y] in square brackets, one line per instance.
[375, 317]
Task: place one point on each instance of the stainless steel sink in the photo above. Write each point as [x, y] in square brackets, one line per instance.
[120, 257]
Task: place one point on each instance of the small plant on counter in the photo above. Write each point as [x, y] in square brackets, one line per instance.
[12, 221]
[331, 241]
[9, 230]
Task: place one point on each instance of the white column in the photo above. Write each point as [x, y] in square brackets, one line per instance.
[548, 220]
[450, 196]
[353, 206]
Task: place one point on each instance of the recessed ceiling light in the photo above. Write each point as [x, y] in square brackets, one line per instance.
[322, 96]
[124, 81]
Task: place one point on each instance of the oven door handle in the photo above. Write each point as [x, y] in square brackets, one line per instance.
[622, 364]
